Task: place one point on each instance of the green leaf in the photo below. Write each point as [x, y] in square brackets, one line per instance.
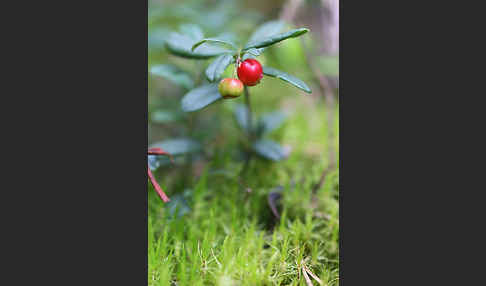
[329, 65]
[164, 116]
[251, 54]
[200, 97]
[214, 40]
[153, 162]
[247, 56]
[267, 29]
[270, 149]
[227, 36]
[157, 38]
[273, 120]
[286, 77]
[180, 44]
[270, 40]
[217, 67]
[192, 30]
[177, 146]
[264, 31]
[173, 74]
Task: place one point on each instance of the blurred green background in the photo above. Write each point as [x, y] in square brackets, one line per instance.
[208, 157]
[240, 18]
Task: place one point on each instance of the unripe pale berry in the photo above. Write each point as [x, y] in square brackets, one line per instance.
[230, 87]
[250, 72]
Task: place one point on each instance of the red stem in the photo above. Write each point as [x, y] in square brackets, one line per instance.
[157, 187]
[159, 151]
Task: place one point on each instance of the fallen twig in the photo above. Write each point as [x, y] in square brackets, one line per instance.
[158, 189]
[273, 196]
[312, 275]
[307, 279]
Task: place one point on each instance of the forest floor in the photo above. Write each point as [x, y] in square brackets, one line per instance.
[219, 228]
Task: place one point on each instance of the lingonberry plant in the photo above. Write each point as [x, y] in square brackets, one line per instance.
[190, 43]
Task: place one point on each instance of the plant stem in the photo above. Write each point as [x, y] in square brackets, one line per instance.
[249, 123]
[249, 116]
[157, 187]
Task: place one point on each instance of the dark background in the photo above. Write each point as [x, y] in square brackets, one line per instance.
[61, 229]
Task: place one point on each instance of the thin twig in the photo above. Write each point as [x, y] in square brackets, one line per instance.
[249, 123]
[313, 275]
[158, 152]
[307, 279]
[157, 187]
[249, 115]
[272, 201]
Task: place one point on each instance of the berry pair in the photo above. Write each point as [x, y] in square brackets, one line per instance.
[250, 73]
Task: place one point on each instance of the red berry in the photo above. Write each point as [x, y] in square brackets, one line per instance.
[250, 72]
[230, 87]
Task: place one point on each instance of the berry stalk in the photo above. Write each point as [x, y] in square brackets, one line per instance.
[249, 115]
